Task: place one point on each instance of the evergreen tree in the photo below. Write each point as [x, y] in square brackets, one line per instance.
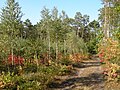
[11, 22]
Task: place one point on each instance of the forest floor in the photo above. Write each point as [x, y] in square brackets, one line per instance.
[88, 76]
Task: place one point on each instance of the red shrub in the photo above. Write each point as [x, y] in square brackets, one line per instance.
[101, 60]
[101, 55]
[16, 60]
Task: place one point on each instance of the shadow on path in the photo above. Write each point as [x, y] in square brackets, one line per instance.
[88, 75]
[86, 64]
[92, 79]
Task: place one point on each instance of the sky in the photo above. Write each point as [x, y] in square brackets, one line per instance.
[32, 8]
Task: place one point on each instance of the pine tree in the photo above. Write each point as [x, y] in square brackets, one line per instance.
[11, 21]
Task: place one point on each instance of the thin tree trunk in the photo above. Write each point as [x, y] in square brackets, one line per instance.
[82, 32]
[64, 47]
[56, 48]
[12, 45]
[49, 45]
[36, 58]
[78, 31]
[12, 53]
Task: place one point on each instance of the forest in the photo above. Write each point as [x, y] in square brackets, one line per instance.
[38, 57]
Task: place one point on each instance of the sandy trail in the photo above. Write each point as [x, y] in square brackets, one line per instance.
[88, 77]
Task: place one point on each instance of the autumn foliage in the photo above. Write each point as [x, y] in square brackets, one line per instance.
[109, 53]
[108, 50]
[17, 60]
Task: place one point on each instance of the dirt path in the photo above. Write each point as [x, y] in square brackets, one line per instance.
[88, 77]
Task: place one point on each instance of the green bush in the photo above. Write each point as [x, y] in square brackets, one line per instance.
[33, 79]
[65, 61]
[92, 46]
[30, 68]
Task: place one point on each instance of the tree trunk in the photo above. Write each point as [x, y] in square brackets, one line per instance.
[12, 53]
[82, 32]
[36, 59]
[49, 45]
[106, 21]
[56, 47]
[64, 47]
